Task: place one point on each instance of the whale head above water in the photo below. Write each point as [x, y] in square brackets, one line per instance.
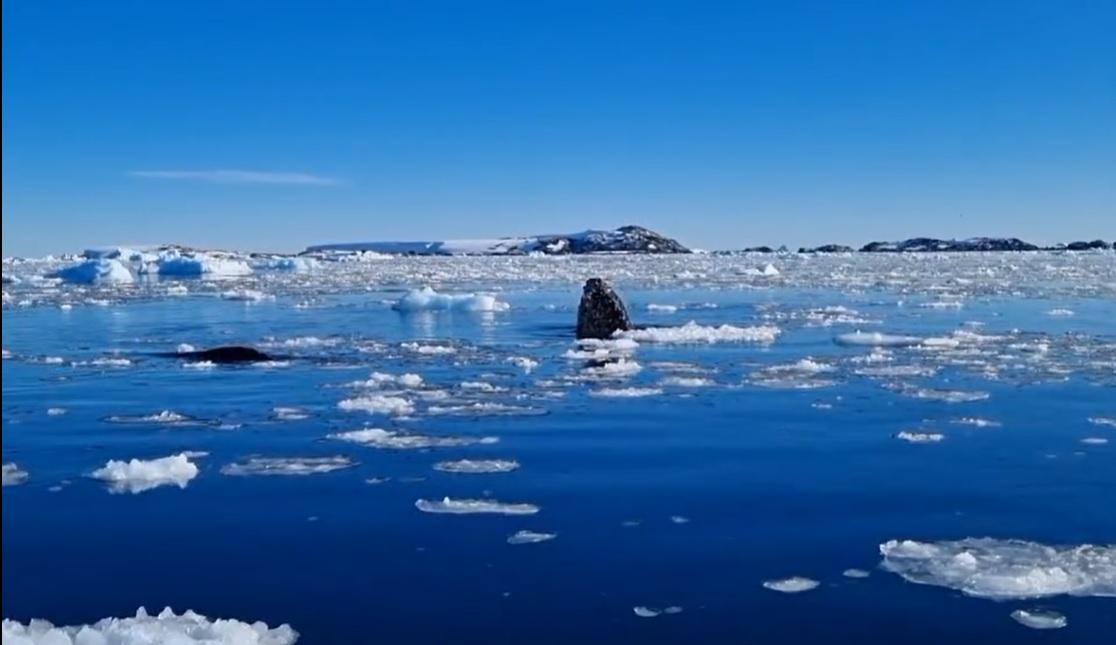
[601, 312]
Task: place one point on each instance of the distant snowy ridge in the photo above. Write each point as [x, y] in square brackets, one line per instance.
[626, 239]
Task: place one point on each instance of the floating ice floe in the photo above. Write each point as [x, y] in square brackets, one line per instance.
[523, 362]
[282, 413]
[104, 361]
[482, 386]
[293, 265]
[1094, 441]
[1039, 618]
[471, 506]
[165, 417]
[1005, 569]
[303, 342]
[978, 422]
[1060, 312]
[876, 339]
[139, 475]
[426, 299]
[99, 271]
[12, 475]
[934, 394]
[380, 379]
[693, 333]
[855, 573]
[199, 365]
[802, 374]
[55, 412]
[662, 309]
[620, 368]
[143, 629]
[914, 436]
[626, 392]
[1103, 421]
[246, 295]
[794, 584]
[430, 350]
[378, 404]
[685, 381]
[393, 439]
[287, 465]
[530, 537]
[477, 466]
[483, 409]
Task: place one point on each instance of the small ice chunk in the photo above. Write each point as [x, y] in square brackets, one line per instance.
[523, 362]
[426, 299]
[693, 333]
[794, 584]
[662, 309]
[55, 412]
[287, 465]
[429, 350]
[685, 381]
[1039, 618]
[477, 466]
[139, 475]
[378, 404]
[165, 417]
[1060, 312]
[185, 348]
[645, 612]
[246, 295]
[12, 475]
[143, 629]
[483, 409]
[1094, 441]
[1103, 421]
[613, 369]
[200, 264]
[678, 519]
[978, 422]
[855, 573]
[915, 436]
[471, 506]
[530, 537]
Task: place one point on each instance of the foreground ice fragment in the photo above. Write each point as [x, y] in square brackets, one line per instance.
[1004, 569]
[143, 629]
[693, 333]
[477, 466]
[13, 476]
[380, 438]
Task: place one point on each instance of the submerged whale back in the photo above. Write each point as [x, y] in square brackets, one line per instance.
[601, 312]
[228, 354]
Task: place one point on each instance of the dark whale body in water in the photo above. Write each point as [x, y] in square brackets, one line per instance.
[601, 312]
[225, 354]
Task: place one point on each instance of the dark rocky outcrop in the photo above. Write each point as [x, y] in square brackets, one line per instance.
[601, 311]
[1095, 245]
[626, 239]
[827, 248]
[226, 354]
[929, 244]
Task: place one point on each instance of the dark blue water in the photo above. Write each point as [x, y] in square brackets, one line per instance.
[771, 485]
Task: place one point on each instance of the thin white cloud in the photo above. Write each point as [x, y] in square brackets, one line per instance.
[239, 177]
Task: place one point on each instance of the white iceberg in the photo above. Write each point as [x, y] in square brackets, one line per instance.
[471, 506]
[143, 629]
[427, 299]
[200, 264]
[98, 271]
[1005, 569]
[693, 333]
[139, 475]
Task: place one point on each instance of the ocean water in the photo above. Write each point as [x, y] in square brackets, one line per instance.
[678, 472]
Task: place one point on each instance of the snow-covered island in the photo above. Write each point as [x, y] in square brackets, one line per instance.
[626, 239]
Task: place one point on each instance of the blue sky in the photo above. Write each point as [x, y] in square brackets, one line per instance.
[270, 126]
